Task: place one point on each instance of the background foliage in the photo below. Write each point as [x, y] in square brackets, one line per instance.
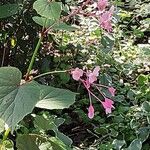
[124, 58]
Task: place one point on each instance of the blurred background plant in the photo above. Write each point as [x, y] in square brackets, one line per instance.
[124, 58]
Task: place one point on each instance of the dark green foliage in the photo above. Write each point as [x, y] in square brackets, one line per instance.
[124, 59]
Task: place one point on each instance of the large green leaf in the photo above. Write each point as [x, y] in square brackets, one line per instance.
[1, 125]
[43, 21]
[58, 145]
[49, 22]
[8, 10]
[54, 98]
[30, 142]
[16, 101]
[48, 9]
[37, 142]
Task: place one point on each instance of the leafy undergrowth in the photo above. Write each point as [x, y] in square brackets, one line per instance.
[57, 122]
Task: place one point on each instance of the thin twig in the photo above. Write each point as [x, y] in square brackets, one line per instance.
[3, 58]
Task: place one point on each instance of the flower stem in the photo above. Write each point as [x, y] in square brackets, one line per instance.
[100, 92]
[52, 72]
[33, 56]
[94, 95]
[101, 85]
[90, 91]
[90, 98]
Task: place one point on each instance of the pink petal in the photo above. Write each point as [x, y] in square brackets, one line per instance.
[92, 78]
[102, 4]
[108, 103]
[108, 110]
[96, 70]
[77, 73]
[112, 91]
[111, 10]
[91, 112]
[105, 19]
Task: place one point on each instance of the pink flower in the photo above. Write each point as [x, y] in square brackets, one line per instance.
[112, 91]
[105, 19]
[91, 111]
[108, 105]
[77, 73]
[96, 71]
[102, 4]
[92, 76]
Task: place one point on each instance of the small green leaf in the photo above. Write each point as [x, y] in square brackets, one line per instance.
[113, 132]
[131, 95]
[146, 106]
[48, 9]
[117, 144]
[101, 131]
[143, 133]
[135, 145]
[8, 10]
[142, 79]
[119, 98]
[105, 79]
[63, 26]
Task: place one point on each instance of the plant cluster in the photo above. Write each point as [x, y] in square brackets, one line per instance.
[48, 102]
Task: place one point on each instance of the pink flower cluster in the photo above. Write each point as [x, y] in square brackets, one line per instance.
[105, 16]
[88, 78]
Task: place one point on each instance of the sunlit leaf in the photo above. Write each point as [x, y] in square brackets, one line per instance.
[143, 133]
[43, 21]
[117, 144]
[135, 145]
[16, 101]
[48, 9]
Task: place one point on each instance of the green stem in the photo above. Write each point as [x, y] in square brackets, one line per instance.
[6, 134]
[52, 72]
[34, 55]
